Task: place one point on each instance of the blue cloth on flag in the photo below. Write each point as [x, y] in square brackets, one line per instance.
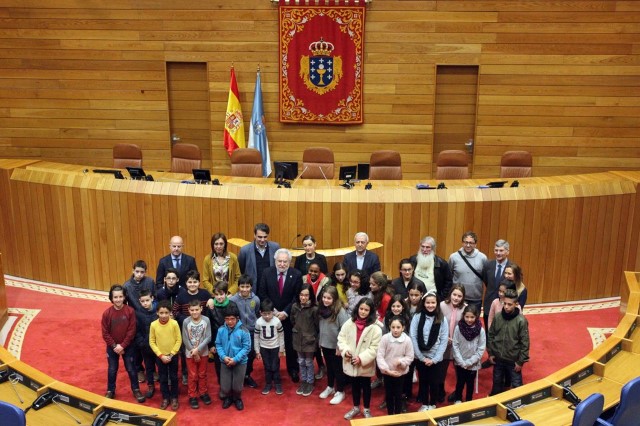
[258, 129]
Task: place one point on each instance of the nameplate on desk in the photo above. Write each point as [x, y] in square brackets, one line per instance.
[631, 330]
[613, 352]
[15, 375]
[467, 416]
[133, 419]
[72, 401]
[578, 377]
[529, 399]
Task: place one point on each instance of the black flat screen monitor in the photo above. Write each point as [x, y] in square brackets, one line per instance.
[116, 173]
[136, 173]
[201, 175]
[363, 171]
[287, 170]
[496, 184]
[347, 172]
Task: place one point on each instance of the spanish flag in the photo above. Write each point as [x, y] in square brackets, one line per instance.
[233, 123]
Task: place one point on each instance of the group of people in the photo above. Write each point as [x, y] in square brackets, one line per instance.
[354, 322]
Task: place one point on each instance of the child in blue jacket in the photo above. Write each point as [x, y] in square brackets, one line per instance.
[233, 344]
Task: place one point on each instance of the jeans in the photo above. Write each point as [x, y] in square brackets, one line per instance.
[168, 372]
[271, 362]
[113, 360]
[501, 369]
[305, 362]
[464, 378]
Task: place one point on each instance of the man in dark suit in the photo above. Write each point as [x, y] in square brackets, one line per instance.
[178, 260]
[492, 274]
[281, 284]
[258, 255]
[360, 258]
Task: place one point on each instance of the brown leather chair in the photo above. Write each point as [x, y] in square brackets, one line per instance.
[185, 157]
[246, 162]
[126, 155]
[452, 164]
[316, 159]
[385, 165]
[516, 164]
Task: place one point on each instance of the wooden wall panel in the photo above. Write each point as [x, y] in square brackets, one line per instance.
[572, 235]
[558, 78]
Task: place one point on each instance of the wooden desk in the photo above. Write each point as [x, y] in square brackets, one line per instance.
[623, 367]
[87, 230]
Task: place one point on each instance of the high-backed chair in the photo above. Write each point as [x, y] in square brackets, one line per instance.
[246, 162]
[628, 411]
[126, 155]
[185, 157]
[516, 164]
[12, 415]
[588, 411]
[452, 164]
[385, 165]
[316, 159]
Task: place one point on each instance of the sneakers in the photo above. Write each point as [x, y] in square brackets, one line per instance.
[383, 405]
[266, 390]
[279, 389]
[205, 398]
[139, 396]
[193, 402]
[366, 413]
[337, 398]
[185, 379]
[141, 376]
[165, 404]
[325, 393]
[321, 372]
[174, 403]
[376, 383]
[308, 390]
[424, 408]
[458, 402]
[301, 388]
[150, 391]
[352, 413]
[110, 394]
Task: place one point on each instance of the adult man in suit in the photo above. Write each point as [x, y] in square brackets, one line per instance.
[258, 255]
[360, 258]
[492, 274]
[281, 284]
[182, 262]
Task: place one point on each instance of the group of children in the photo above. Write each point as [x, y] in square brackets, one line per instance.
[350, 321]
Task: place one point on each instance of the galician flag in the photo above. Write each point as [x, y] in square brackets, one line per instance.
[258, 130]
[233, 123]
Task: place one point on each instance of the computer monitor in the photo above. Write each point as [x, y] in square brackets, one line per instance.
[201, 175]
[496, 184]
[136, 173]
[285, 170]
[116, 173]
[347, 172]
[363, 171]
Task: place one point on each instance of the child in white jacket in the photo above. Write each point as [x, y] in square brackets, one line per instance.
[395, 354]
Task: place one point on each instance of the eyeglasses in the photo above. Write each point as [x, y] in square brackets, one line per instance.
[469, 243]
[407, 270]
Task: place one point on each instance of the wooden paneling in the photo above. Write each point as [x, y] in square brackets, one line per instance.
[573, 235]
[560, 78]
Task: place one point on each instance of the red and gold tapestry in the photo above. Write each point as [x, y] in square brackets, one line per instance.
[321, 61]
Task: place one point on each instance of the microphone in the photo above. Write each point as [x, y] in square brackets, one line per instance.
[293, 240]
[299, 176]
[324, 176]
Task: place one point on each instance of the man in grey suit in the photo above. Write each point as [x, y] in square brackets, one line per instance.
[256, 256]
[492, 274]
[360, 258]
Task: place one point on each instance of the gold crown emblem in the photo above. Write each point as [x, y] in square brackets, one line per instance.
[321, 48]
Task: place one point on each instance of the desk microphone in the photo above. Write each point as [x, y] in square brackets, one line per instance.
[293, 240]
[325, 177]
[299, 176]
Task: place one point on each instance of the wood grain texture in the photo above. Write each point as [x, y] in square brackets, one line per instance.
[558, 78]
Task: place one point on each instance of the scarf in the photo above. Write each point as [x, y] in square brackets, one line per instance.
[433, 333]
[469, 332]
[360, 325]
[221, 305]
[512, 315]
[324, 311]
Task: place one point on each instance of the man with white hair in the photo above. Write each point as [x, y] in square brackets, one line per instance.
[360, 258]
[281, 284]
[466, 266]
[431, 269]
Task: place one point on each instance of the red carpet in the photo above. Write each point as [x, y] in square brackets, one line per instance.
[64, 341]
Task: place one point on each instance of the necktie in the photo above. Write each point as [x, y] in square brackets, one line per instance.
[498, 273]
[280, 282]
[177, 262]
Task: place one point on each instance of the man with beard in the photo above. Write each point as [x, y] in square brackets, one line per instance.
[492, 275]
[431, 269]
[281, 284]
[407, 276]
[466, 266]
